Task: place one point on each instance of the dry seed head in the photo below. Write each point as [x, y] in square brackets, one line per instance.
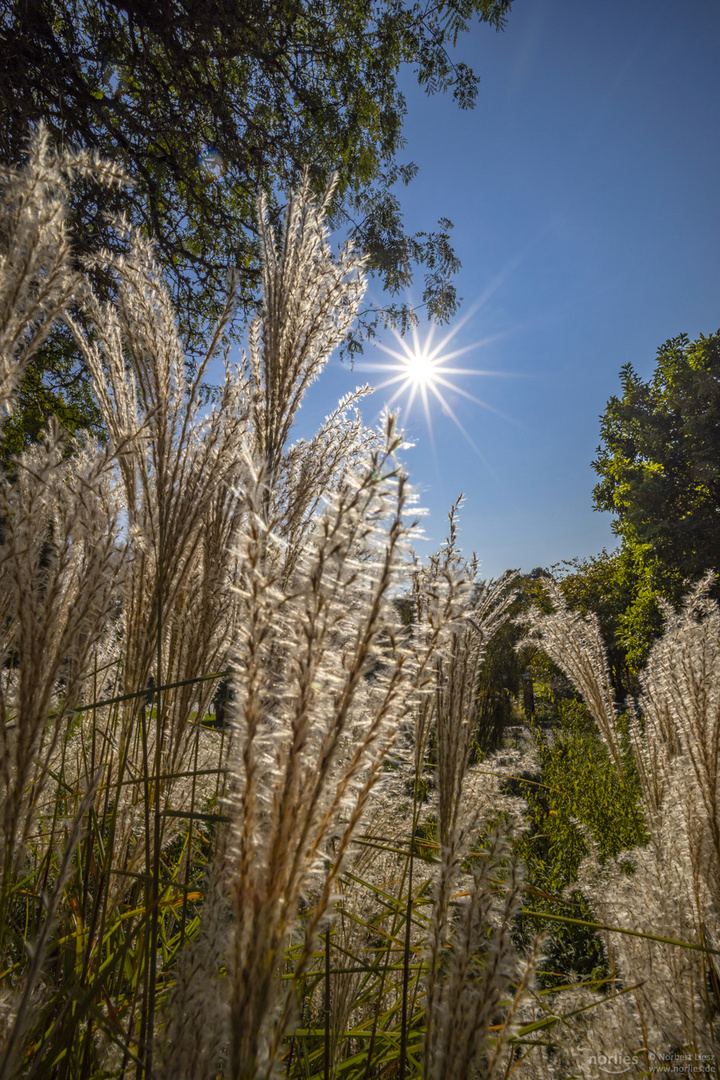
[37, 276]
[575, 644]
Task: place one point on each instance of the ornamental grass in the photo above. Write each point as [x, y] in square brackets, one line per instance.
[244, 832]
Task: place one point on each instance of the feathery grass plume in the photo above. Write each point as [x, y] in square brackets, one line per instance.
[37, 277]
[61, 564]
[304, 755]
[310, 470]
[666, 1010]
[677, 750]
[680, 706]
[457, 672]
[667, 1005]
[310, 300]
[180, 465]
[575, 644]
[476, 969]
[319, 668]
[471, 960]
[195, 1036]
[443, 593]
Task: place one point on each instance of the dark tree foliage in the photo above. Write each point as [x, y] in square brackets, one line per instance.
[54, 385]
[208, 102]
[498, 688]
[659, 462]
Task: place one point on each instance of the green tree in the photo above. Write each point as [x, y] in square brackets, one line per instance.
[659, 462]
[659, 469]
[622, 590]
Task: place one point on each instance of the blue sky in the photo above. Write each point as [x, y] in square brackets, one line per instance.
[584, 188]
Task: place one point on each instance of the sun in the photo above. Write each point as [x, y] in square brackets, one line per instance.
[421, 370]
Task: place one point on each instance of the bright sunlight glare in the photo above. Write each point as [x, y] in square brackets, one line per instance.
[421, 369]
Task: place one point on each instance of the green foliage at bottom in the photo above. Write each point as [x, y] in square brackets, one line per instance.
[578, 800]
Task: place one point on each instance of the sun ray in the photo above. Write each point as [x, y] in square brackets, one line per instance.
[451, 413]
[478, 401]
[428, 420]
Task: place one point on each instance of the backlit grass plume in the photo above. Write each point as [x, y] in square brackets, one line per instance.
[61, 564]
[312, 733]
[472, 964]
[37, 275]
[667, 1003]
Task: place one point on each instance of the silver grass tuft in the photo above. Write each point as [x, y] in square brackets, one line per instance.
[575, 644]
[61, 568]
[665, 1010]
[37, 275]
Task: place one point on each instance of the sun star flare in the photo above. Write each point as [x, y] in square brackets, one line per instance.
[423, 369]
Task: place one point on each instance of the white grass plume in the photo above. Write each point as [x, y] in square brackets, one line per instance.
[37, 275]
[61, 568]
[575, 644]
[470, 957]
[181, 468]
[670, 887]
[310, 300]
[305, 758]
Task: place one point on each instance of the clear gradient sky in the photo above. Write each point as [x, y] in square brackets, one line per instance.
[585, 192]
